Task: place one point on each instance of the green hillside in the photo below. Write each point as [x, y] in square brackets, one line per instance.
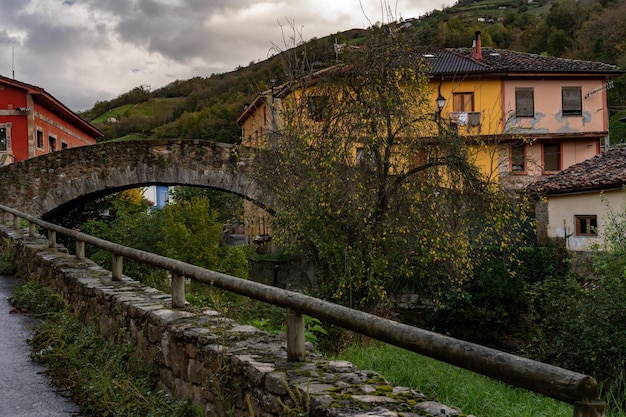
[115, 113]
[208, 107]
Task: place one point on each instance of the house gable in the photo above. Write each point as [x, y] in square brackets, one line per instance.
[33, 122]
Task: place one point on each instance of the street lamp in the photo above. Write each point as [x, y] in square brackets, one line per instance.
[441, 101]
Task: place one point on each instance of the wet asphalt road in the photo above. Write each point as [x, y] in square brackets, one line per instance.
[24, 390]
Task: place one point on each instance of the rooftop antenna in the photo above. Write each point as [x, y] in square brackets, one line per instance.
[13, 61]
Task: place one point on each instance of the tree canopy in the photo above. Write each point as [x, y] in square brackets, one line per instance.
[369, 183]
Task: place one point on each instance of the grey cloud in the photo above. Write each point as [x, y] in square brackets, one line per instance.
[136, 42]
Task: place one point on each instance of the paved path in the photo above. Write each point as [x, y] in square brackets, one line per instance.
[24, 390]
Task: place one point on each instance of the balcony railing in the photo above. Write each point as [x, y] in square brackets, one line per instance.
[468, 118]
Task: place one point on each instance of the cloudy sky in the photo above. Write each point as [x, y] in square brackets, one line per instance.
[82, 51]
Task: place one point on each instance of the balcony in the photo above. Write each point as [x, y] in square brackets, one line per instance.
[470, 118]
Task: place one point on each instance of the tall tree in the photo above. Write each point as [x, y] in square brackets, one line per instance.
[378, 193]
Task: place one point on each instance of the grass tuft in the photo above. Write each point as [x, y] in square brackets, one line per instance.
[36, 298]
[7, 257]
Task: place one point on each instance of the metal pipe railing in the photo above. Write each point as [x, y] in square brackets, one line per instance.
[558, 383]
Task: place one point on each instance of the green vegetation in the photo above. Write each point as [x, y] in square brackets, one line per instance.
[37, 299]
[582, 322]
[116, 113]
[499, 300]
[470, 392]
[376, 193]
[7, 256]
[188, 230]
[104, 378]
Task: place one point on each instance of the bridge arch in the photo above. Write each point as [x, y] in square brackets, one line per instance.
[52, 183]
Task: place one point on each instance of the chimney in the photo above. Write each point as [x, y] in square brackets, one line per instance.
[477, 50]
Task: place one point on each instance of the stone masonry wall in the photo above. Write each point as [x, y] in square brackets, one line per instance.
[225, 368]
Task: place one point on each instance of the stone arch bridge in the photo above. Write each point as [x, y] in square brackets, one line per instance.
[55, 182]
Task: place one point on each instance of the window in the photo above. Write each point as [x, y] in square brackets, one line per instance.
[518, 157]
[39, 139]
[586, 225]
[63, 145]
[551, 157]
[52, 143]
[524, 102]
[463, 102]
[572, 101]
[3, 138]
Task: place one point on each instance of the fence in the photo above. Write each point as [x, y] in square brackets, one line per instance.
[580, 390]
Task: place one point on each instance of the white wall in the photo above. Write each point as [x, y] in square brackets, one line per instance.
[563, 208]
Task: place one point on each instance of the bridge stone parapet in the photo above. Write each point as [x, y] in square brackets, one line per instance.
[221, 366]
[61, 180]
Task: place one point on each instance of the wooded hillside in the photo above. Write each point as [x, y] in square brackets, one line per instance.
[208, 107]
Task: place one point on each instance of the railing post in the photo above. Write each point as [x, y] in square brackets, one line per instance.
[117, 267]
[31, 229]
[80, 249]
[16, 222]
[295, 336]
[590, 408]
[52, 239]
[178, 291]
[5, 217]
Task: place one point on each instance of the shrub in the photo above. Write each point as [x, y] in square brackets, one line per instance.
[498, 299]
[7, 257]
[36, 298]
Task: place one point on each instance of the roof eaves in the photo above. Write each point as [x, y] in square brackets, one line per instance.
[67, 113]
[251, 108]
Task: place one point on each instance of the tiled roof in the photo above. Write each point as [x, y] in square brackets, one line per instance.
[444, 61]
[460, 61]
[604, 171]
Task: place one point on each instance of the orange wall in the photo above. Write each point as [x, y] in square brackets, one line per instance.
[548, 116]
[252, 128]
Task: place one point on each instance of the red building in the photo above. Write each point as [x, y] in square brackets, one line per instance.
[33, 122]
